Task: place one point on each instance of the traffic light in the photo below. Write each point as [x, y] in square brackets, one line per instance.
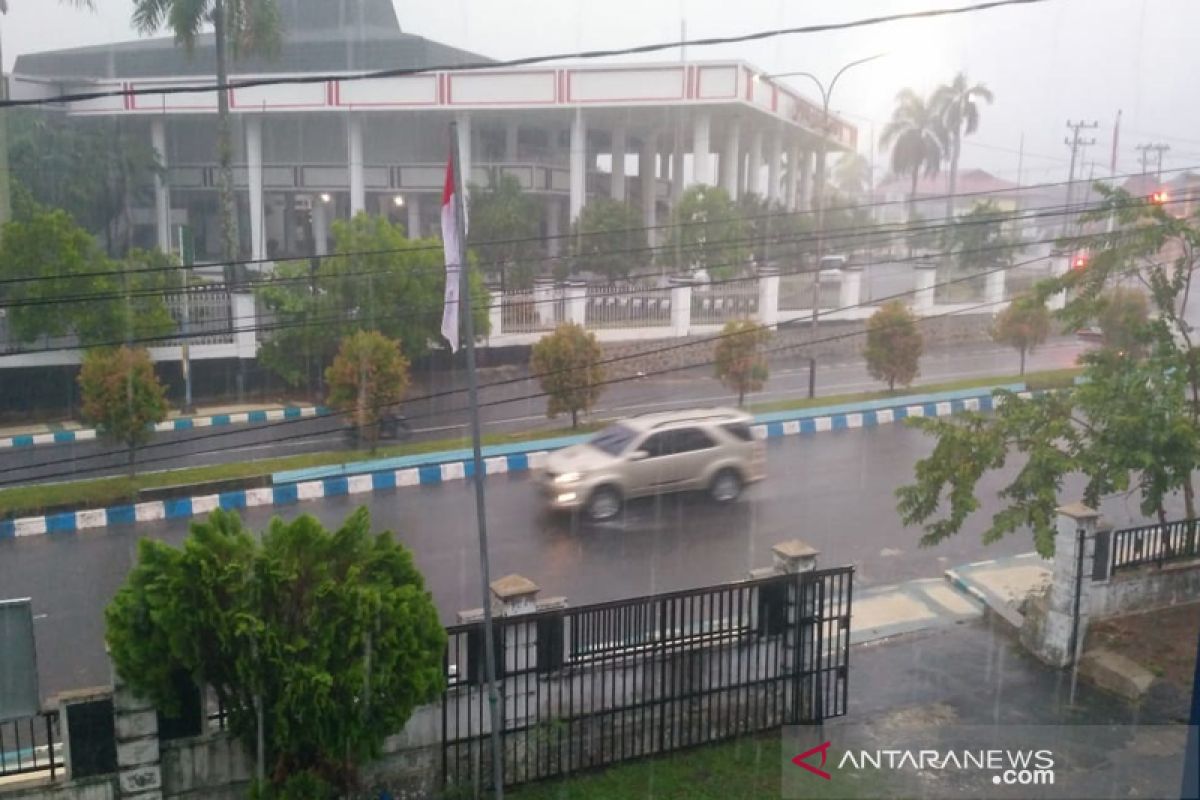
[1159, 197]
[1080, 261]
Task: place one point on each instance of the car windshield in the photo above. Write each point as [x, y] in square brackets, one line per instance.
[613, 439]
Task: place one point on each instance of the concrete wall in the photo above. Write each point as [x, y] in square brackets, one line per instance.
[1146, 589]
[214, 765]
[41, 789]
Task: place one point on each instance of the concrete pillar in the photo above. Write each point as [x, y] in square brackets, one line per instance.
[794, 556]
[553, 227]
[793, 179]
[681, 306]
[464, 145]
[1059, 266]
[619, 146]
[851, 287]
[511, 141]
[805, 199]
[358, 185]
[254, 165]
[162, 192]
[1055, 628]
[994, 291]
[676, 174]
[754, 179]
[578, 164]
[413, 204]
[245, 323]
[135, 723]
[320, 225]
[513, 595]
[701, 149]
[495, 311]
[774, 164]
[768, 297]
[731, 158]
[543, 299]
[926, 278]
[576, 304]
[649, 187]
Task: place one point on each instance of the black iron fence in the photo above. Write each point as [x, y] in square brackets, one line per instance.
[31, 745]
[1155, 544]
[590, 686]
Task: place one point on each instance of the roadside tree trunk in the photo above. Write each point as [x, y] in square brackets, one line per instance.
[1022, 361]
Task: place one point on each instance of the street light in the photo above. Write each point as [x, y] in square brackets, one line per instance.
[826, 96]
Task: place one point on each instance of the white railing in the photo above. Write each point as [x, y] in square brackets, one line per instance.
[207, 313]
[624, 306]
[531, 310]
[716, 304]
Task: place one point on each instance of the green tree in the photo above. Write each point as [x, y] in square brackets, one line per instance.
[122, 396]
[1132, 423]
[917, 138]
[53, 263]
[240, 27]
[368, 374]
[376, 279]
[894, 345]
[1023, 325]
[852, 176]
[978, 242]
[775, 236]
[605, 239]
[957, 103]
[738, 357]
[567, 365]
[708, 233]
[1122, 314]
[511, 219]
[331, 635]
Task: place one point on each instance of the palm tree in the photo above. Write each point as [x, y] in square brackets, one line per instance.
[957, 104]
[852, 175]
[239, 26]
[917, 138]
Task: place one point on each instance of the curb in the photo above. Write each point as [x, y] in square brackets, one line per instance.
[433, 471]
[179, 424]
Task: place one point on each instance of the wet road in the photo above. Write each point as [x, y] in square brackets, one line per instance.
[833, 490]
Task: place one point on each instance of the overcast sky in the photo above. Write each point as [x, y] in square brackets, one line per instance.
[1063, 59]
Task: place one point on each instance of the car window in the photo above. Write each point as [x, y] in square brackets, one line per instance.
[690, 439]
[739, 430]
[613, 439]
[658, 444]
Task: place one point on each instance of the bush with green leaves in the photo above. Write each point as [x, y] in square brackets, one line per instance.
[332, 634]
[894, 345]
[567, 365]
[738, 358]
[122, 397]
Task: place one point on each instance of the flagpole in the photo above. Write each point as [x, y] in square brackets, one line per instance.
[489, 649]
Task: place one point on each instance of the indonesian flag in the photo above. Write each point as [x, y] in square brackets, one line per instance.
[453, 254]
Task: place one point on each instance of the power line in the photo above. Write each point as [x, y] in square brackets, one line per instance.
[519, 62]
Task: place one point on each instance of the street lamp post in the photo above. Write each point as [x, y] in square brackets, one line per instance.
[819, 191]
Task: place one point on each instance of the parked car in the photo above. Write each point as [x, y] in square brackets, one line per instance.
[711, 450]
[393, 426]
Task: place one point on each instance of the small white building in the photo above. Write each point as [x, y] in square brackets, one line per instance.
[310, 152]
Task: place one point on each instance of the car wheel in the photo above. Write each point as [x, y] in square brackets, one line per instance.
[604, 504]
[726, 486]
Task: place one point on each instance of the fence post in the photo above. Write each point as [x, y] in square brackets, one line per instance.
[994, 291]
[495, 310]
[576, 294]
[681, 306]
[138, 757]
[795, 556]
[1056, 632]
[245, 323]
[543, 299]
[850, 294]
[768, 297]
[926, 278]
[1058, 299]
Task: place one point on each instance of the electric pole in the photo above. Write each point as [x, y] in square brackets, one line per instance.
[1077, 144]
[1156, 147]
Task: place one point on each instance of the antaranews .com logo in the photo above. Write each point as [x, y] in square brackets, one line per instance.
[1007, 767]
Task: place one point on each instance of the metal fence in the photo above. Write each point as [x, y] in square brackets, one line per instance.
[207, 309]
[1155, 544]
[31, 745]
[796, 292]
[532, 311]
[591, 686]
[724, 302]
[621, 306]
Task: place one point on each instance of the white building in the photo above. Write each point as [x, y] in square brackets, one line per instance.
[309, 152]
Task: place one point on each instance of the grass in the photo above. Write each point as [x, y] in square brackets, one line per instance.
[748, 768]
[96, 492]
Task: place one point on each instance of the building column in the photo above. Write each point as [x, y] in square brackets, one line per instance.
[730, 158]
[793, 179]
[358, 186]
[578, 164]
[676, 173]
[774, 157]
[413, 202]
[553, 227]
[464, 146]
[701, 149]
[254, 164]
[754, 183]
[162, 192]
[320, 225]
[512, 137]
[617, 184]
[649, 187]
[805, 200]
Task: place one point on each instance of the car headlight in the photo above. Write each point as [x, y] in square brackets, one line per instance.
[568, 477]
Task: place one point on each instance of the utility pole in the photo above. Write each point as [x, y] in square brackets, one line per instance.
[1077, 144]
[1158, 148]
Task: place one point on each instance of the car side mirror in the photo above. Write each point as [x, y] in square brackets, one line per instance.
[638, 455]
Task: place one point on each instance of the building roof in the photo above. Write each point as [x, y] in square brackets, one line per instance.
[969, 181]
[318, 36]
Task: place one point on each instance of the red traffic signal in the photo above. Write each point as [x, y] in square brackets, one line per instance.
[1079, 262]
[1159, 197]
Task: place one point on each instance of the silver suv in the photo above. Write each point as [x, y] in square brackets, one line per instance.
[709, 450]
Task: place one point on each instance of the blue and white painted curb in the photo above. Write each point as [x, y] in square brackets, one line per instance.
[180, 424]
[433, 468]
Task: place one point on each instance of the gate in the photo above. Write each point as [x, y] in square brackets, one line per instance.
[590, 686]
